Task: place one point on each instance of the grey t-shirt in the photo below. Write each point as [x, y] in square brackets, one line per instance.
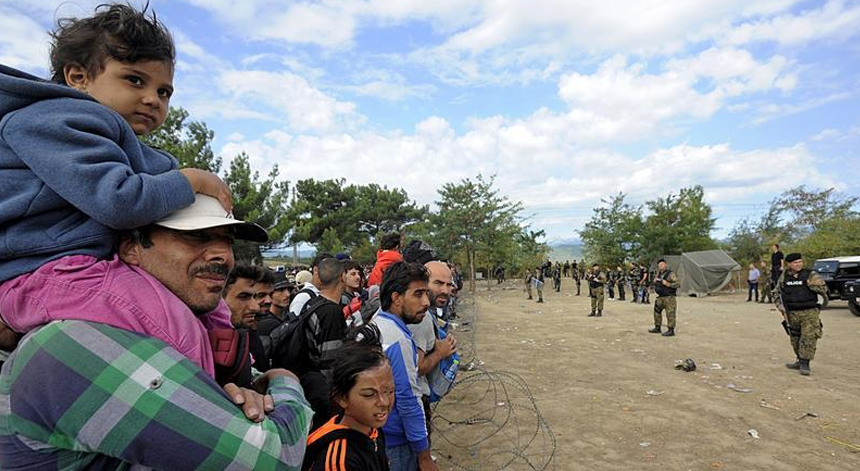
[424, 337]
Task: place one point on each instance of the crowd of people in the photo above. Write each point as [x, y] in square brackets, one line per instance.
[130, 335]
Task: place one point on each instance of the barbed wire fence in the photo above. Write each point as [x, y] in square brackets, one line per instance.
[490, 420]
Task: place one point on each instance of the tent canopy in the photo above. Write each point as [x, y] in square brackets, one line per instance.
[701, 273]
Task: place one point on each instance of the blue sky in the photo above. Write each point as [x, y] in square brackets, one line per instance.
[566, 101]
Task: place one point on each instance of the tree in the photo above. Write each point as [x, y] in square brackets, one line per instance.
[677, 224]
[475, 219]
[381, 210]
[745, 242]
[189, 142]
[611, 236]
[263, 202]
[806, 210]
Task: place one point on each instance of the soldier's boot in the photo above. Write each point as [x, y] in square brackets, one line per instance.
[530, 297]
[670, 332]
[599, 314]
[793, 366]
[655, 330]
[804, 368]
[592, 314]
[540, 300]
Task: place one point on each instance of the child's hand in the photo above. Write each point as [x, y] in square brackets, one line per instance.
[208, 183]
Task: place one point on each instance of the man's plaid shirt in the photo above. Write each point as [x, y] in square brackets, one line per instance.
[80, 395]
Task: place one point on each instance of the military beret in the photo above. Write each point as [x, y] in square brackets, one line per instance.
[792, 257]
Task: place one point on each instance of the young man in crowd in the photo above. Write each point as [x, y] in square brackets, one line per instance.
[240, 293]
[404, 298]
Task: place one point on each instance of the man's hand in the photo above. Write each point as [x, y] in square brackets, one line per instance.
[208, 183]
[445, 347]
[254, 404]
[425, 462]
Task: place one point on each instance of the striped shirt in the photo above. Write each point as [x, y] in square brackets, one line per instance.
[81, 395]
[336, 447]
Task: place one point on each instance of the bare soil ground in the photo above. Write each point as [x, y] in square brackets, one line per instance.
[611, 398]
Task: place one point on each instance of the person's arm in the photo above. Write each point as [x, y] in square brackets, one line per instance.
[817, 284]
[76, 386]
[443, 348]
[84, 153]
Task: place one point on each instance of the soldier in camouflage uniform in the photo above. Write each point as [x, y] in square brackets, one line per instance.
[576, 278]
[635, 275]
[621, 281]
[798, 289]
[767, 286]
[644, 285]
[556, 277]
[596, 280]
[529, 277]
[611, 279]
[665, 285]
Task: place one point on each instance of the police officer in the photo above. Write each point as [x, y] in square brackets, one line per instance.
[596, 280]
[539, 282]
[556, 277]
[798, 290]
[577, 278]
[611, 279]
[665, 285]
[529, 277]
[644, 285]
[621, 281]
[767, 286]
[634, 275]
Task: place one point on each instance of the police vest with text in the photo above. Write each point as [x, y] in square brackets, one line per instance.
[796, 294]
[658, 285]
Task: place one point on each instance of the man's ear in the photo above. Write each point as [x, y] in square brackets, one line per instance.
[129, 251]
[76, 76]
[396, 299]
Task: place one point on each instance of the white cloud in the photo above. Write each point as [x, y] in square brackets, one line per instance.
[388, 86]
[832, 20]
[24, 43]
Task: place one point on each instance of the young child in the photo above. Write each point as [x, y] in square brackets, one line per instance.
[74, 174]
[363, 389]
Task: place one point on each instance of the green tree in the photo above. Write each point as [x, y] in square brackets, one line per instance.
[474, 218]
[189, 142]
[611, 236]
[381, 210]
[745, 242]
[677, 224]
[263, 201]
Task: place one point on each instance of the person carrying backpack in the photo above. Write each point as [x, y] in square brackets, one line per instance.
[308, 344]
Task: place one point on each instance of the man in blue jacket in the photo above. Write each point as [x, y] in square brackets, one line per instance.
[404, 299]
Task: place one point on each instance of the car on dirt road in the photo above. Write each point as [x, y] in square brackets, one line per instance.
[851, 291]
[839, 273]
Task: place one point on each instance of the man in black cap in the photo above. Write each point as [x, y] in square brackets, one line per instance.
[665, 285]
[798, 290]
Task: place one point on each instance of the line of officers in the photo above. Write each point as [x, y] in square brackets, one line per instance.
[600, 282]
[797, 292]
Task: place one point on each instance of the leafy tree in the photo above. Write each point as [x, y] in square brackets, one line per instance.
[806, 210]
[474, 218]
[745, 242]
[189, 142]
[381, 210]
[263, 201]
[611, 236]
[676, 224]
[325, 205]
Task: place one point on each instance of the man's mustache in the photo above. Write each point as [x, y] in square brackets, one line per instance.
[212, 268]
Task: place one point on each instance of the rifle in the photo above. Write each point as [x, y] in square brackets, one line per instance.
[781, 307]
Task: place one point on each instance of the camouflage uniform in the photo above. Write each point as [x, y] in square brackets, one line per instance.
[612, 278]
[576, 278]
[529, 277]
[596, 281]
[635, 275]
[766, 287]
[804, 325]
[622, 280]
[665, 298]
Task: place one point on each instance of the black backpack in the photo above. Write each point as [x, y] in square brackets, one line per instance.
[288, 343]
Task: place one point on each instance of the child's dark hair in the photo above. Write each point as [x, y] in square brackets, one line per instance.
[396, 279]
[361, 351]
[117, 31]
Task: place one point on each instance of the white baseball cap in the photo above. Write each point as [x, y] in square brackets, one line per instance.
[205, 213]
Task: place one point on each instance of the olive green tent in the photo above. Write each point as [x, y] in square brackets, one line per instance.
[701, 273]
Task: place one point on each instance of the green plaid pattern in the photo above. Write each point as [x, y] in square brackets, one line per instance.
[79, 394]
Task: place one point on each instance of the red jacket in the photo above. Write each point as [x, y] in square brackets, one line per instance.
[384, 259]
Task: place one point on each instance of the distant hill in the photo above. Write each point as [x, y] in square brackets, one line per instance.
[565, 251]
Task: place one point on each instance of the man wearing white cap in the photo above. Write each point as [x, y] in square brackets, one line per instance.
[91, 395]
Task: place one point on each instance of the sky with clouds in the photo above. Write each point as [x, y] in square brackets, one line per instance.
[565, 101]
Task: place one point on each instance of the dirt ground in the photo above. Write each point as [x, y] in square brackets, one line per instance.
[612, 399]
